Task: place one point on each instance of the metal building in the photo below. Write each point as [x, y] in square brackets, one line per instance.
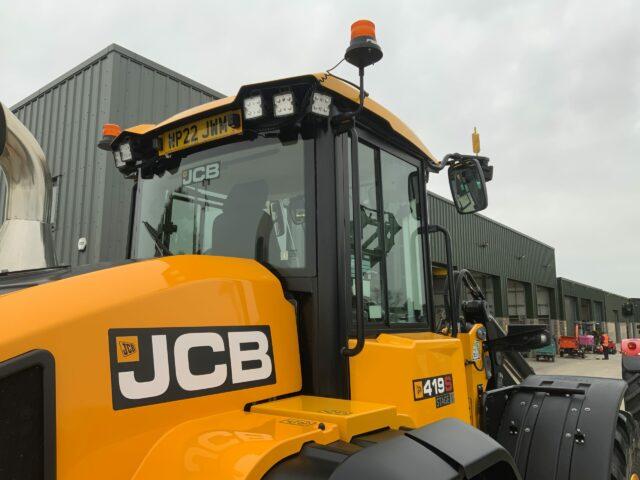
[517, 272]
[91, 200]
[591, 308]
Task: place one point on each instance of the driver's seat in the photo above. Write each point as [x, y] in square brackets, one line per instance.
[244, 229]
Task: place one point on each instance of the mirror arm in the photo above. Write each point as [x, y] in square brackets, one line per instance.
[453, 302]
[487, 169]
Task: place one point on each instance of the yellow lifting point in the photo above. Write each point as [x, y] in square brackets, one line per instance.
[475, 140]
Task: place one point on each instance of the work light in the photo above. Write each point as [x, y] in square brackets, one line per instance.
[321, 104]
[117, 156]
[253, 107]
[125, 152]
[283, 104]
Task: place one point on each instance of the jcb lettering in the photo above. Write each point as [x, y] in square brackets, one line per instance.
[201, 173]
[178, 363]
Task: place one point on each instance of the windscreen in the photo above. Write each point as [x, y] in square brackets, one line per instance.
[248, 200]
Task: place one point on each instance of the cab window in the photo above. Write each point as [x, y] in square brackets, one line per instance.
[251, 199]
[392, 263]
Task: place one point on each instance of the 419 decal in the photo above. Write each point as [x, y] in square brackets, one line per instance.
[431, 387]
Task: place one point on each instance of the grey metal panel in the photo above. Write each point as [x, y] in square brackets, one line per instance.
[66, 117]
[141, 93]
[484, 245]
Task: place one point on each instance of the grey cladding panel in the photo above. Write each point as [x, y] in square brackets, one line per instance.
[66, 117]
[484, 245]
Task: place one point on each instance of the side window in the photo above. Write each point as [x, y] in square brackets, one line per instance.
[405, 280]
[371, 238]
[392, 264]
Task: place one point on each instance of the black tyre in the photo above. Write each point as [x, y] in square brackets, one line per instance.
[626, 459]
[631, 375]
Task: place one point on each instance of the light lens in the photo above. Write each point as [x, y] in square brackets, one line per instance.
[125, 152]
[631, 345]
[117, 156]
[283, 104]
[253, 107]
[321, 104]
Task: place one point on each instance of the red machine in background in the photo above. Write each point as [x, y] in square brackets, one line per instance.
[570, 346]
[631, 347]
[606, 340]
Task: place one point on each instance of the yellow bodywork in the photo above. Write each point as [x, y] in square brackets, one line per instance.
[329, 82]
[388, 366]
[234, 445]
[70, 318]
[237, 434]
[475, 372]
[351, 417]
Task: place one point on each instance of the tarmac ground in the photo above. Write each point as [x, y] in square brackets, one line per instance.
[591, 366]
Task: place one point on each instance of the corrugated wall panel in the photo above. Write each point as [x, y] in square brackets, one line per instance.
[66, 116]
[64, 119]
[141, 93]
[486, 246]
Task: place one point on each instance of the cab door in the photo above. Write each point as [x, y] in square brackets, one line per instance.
[394, 255]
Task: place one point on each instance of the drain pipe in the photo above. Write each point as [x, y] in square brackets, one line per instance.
[26, 241]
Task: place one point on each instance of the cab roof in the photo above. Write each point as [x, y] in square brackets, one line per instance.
[330, 82]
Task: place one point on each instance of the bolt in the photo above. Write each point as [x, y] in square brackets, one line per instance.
[535, 405]
[321, 426]
[522, 404]
[527, 429]
[568, 435]
[574, 410]
[587, 409]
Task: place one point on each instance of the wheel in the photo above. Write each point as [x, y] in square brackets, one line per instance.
[631, 375]
[553, 359]
[625, 463]
[582, 355]
[561, 353]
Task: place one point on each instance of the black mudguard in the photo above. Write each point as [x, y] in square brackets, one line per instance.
[557, 427]
[631, 375]
[445, 450]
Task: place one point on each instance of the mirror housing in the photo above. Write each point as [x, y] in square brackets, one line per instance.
[467, 183]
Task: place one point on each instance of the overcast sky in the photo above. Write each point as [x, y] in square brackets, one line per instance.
[553, 87]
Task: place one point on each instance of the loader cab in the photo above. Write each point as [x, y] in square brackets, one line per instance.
[280, 190]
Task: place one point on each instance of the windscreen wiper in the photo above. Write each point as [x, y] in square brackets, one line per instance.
[156, 239]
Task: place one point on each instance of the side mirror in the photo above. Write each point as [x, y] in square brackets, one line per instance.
[467, 183]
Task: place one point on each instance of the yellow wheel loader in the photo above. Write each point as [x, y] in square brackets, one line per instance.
[276, 318]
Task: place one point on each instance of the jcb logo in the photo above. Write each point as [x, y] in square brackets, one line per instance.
[203, 172]
[127, 349]
[160, 365]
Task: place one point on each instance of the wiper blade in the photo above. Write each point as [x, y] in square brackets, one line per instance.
[156, 239]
